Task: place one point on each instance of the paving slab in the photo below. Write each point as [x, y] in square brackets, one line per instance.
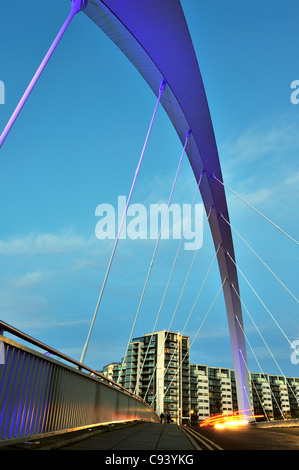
[142, 436]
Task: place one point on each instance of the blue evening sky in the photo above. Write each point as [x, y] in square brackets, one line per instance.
[76, 145]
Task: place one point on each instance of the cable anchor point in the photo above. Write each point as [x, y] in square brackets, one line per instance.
[78, 5]
[162, 86]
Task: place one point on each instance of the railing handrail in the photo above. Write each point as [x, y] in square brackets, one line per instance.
[14, 331]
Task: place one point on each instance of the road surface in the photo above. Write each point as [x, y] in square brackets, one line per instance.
[246, 438]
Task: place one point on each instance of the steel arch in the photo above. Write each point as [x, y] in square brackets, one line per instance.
[154, 35]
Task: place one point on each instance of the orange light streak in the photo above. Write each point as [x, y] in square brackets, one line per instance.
[236, 419]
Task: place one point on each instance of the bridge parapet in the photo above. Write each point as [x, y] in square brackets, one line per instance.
[41, 396]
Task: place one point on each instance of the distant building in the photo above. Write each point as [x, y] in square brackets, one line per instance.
[157, 369]
[275, 396]
[213, 391]
[111, 371]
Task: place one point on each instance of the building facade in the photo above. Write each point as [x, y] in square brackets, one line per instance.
[213, 391]
[157, 368]
[275, 396]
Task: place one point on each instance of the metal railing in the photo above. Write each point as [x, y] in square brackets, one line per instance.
[41, 396]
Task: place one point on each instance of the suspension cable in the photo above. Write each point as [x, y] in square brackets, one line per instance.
[244, 389]
[188, 273]
[283, 285]
[178, 250]
[161, 90]
[158, 240]
[281, 412]
[153, 257]
[264, 341]
[173, 266]
[253, 353]
[202, 286]
[257, 211]
[196, 251]
[77, 6]
[204, 319]
[175, 311]
[254, 386]
[191, 309]
[167, 333]
[266, 308]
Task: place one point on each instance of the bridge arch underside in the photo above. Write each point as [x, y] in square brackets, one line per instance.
[153, 34]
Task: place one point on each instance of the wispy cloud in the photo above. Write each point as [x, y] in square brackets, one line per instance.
[36, 269]
[267, 138]
[31, 279]
[292, 180]
[260, 165]
[44, 243]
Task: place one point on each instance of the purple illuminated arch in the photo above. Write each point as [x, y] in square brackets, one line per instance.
[153, 34]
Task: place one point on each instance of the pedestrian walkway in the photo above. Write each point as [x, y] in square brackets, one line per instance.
[138, 436]
[142, 436]
[128, 436]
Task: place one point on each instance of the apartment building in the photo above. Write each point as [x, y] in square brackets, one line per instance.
[157, 368]
[277, 397]
[112, 371]
[213, 391]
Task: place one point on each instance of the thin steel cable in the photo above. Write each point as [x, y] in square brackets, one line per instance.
[221, 287]
[253, 251]
[266, 308]
[178, 250]
[161, 90]
[256, 210]
[210, 267]
[196, 251]
[77, 5]
[244, 389]
[254, 386]
[155, 251]
[253, 353]
[200, 290]
[188, 273]
[174, 263]
[281, 412]
[175, 311]
[156, 248]
[263, 339]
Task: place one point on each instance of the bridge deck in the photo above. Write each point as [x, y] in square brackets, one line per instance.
[136, 436]
[143, 436]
